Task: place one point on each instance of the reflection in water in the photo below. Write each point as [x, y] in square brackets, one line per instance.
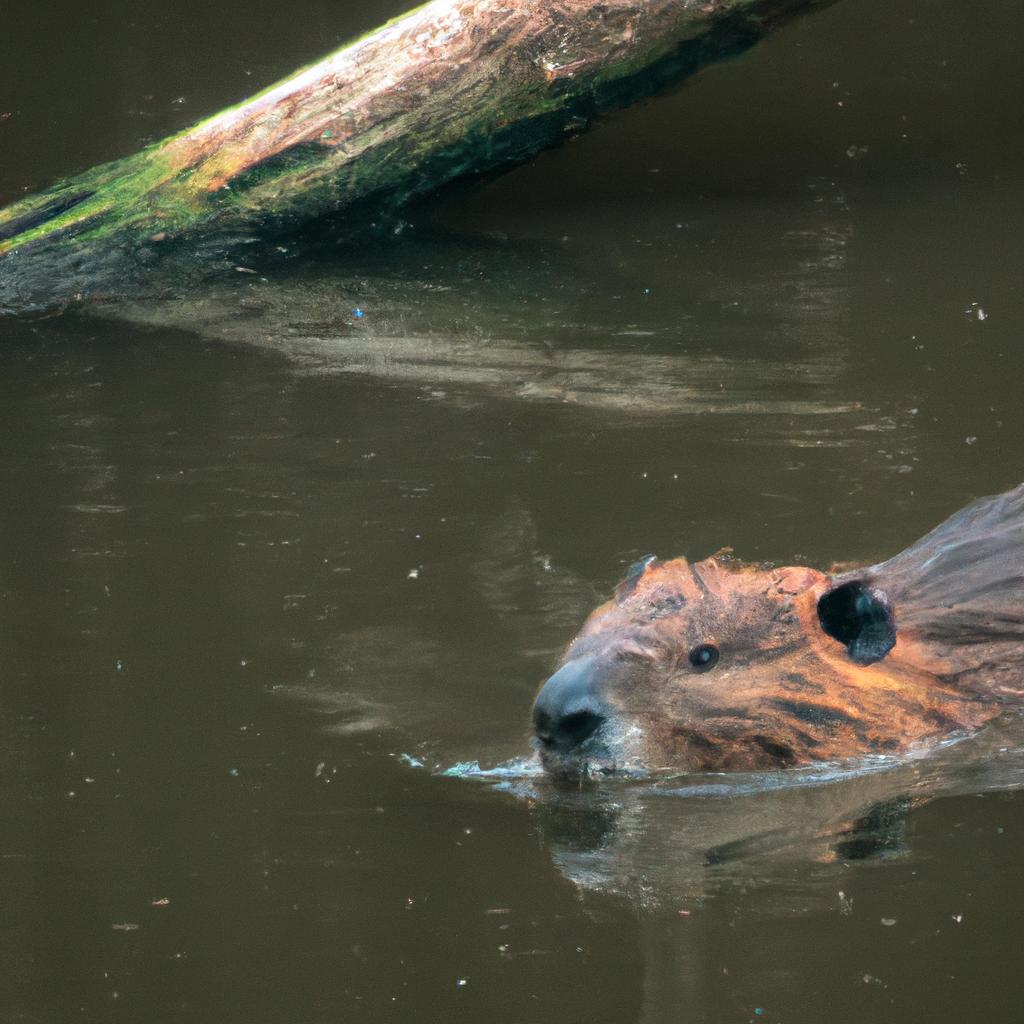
[790, 845]
[662, 838]
[457, 319]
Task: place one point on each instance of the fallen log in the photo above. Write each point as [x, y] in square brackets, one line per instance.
[456, 87]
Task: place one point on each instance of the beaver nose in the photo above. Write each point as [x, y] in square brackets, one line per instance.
[567, 711]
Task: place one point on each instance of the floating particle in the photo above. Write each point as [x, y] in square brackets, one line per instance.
[358, 313]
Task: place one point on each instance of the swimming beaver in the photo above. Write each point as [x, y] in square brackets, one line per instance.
[722, 666]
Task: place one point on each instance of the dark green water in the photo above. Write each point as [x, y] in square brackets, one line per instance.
[253, 549]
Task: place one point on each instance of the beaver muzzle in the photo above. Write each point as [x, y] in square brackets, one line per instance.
[568, 712]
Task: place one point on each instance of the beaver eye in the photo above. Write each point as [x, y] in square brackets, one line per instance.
[704, 657]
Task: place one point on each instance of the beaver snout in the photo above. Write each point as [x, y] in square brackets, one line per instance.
[567, 711]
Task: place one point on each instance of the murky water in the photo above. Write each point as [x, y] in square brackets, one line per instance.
[259, 553]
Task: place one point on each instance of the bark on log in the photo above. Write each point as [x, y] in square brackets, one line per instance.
[455, 87]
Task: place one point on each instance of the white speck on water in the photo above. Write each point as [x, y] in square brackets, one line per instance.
[413, 574]
[958, 918]
[970, 440]
[888, 922]
[462, 983]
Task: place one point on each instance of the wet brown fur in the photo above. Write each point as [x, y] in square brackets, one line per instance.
[784, 692]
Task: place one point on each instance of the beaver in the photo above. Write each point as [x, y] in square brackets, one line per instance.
[726, 666]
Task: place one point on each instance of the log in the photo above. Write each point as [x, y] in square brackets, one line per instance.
[456, 87]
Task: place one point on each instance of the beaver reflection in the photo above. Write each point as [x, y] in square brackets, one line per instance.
[723, 666]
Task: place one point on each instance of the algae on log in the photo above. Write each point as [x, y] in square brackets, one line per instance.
[453, 88]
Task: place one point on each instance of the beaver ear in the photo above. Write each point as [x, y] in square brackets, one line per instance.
[860, 617]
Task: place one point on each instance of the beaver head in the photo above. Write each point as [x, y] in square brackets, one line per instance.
[721, 666]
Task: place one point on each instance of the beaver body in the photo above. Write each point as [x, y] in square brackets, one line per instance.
[722, 666]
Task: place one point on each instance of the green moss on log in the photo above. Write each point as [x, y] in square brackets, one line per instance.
[456, 87]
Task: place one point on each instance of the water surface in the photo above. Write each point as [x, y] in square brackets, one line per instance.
[256, 547]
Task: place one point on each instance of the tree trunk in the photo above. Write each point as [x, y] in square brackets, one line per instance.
[455, 87]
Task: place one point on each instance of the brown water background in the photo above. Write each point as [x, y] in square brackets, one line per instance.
[254, 549]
